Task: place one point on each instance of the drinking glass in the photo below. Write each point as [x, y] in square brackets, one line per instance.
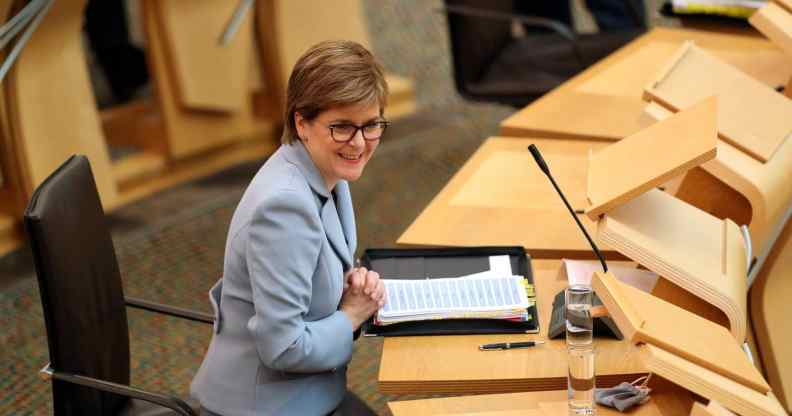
[580, 350]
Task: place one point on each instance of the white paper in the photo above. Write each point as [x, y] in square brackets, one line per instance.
[434, 296]
[500, 265]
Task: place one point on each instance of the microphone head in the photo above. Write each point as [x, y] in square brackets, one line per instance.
[539, 159]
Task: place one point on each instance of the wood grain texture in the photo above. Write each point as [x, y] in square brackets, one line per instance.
[681, 333]
[453, 364]
[191, 132]
[687, 246]
[52, 111]
[207, 75]
[14, 185]
[751, 116]
[283, 41]
[706, 383]
[603, 102]
[501, 197]
[667, 400]
[764, 185]
[770, 309]
[624, 170]
[775, 22]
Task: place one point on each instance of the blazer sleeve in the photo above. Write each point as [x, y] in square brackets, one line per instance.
[284, 244]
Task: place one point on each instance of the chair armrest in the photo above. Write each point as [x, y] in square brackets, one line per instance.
[565, 31]
[173, 403]
[169, 310]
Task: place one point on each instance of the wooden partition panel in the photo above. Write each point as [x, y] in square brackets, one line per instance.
[207, 75]
[770, 307]
[52, 110]
[604, 101]
[189, 132]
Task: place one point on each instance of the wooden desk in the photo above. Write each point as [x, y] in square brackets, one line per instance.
[667, 399]
[500, 197]
[604, 101]
[453, 364]
[770, 309]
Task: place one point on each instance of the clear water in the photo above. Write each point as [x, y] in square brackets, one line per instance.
[580, 380]
[579, 325]
[580, 347]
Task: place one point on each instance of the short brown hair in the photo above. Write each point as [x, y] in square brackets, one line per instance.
[330, 74]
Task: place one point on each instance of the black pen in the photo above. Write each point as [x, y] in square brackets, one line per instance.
[509, 345]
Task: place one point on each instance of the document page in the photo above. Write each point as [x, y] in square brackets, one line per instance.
[504, 295]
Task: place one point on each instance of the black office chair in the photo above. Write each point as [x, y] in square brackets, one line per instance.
[84, 304]
[492, 65]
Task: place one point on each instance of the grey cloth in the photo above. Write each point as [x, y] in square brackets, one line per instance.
[280, 345]
[622, 397]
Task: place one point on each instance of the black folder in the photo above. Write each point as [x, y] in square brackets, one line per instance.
[435, 263]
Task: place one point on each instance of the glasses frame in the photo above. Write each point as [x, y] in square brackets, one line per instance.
[331, 127]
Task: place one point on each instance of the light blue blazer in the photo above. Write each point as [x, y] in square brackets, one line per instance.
[280, 344]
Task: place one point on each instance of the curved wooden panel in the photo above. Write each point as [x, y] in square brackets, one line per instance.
[52, 109]
[207, 75]
[770, 309]
[191, 132]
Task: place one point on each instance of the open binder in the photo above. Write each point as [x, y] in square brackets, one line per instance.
[444, 263]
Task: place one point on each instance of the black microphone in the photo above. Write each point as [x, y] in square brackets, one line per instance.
[543, 166]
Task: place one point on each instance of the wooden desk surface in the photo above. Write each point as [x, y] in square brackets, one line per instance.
[667, 400]
[453, 364]
[500, 197]
[604, 102]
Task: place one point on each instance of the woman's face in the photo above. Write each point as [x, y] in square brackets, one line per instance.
[335, 160]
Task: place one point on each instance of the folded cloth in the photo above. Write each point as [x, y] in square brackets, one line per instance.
[623, 396]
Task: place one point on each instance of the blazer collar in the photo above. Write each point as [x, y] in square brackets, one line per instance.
[336, 212]
[297, 154]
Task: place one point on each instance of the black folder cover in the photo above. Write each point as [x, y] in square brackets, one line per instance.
[447, 262]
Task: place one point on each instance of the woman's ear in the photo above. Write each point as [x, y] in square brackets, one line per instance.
[300, 124]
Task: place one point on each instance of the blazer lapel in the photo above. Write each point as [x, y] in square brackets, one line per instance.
[346, 214]
[336, 228]
[335, 233]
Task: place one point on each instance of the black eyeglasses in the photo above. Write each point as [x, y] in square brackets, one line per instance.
[344, 132]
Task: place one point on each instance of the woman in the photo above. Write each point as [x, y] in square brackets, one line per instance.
[290, 299]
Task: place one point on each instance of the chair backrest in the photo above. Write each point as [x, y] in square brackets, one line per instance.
[476, 41]
[80, 286]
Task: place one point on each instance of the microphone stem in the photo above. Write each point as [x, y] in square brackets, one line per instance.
[582, 228]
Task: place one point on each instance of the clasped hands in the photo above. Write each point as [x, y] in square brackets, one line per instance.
[364, 294]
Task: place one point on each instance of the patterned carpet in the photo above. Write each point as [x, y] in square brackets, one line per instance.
[170, 246]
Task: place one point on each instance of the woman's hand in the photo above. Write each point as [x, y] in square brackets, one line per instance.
[364, 294]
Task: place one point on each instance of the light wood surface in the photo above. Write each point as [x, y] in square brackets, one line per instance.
[207, 75]
[643, 318]
[770, 315]
[696, 251]
[667, 400]
[283, 41]
[453, 364]
[651, 157]
[191, 132]
[702, 381]
[775, 22]
[604, 101]
[712, 409]
[751, 116]
[52, 110]
[764, 185]
[500, 197]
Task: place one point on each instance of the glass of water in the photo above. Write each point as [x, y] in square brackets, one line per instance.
[580, 350]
